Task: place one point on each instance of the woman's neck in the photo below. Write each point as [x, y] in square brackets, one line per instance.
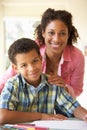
[53, 58]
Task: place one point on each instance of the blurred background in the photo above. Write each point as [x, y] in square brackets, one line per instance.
[18, 18]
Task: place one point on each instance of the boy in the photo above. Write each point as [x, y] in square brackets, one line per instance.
[28, 96]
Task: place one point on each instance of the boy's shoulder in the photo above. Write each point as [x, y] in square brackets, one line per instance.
[44, 78]
[17, 76]
[14, 83]
[15, 79]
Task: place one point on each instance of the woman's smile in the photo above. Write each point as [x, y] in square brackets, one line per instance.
[55, 45]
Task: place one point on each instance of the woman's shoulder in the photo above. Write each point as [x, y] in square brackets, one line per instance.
[74, 54]
[74, 50]
[42, 50]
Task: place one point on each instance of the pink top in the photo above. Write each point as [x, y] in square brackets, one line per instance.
[9, 73]
[71, 68]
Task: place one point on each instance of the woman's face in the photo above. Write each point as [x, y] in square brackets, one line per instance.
[56, 36]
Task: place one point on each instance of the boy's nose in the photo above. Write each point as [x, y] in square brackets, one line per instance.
[30, 67]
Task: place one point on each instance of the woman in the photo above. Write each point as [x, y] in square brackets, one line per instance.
[56, 36]
[62, 62]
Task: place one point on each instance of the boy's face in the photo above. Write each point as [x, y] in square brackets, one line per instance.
[29, 65]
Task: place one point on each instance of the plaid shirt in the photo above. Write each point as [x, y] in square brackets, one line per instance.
[21, 96]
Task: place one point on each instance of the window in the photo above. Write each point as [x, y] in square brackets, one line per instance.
[16, 28]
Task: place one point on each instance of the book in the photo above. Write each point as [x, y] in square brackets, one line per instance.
[24, 127]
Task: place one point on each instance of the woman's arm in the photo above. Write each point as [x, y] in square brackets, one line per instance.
[77, 75]
[4, 77]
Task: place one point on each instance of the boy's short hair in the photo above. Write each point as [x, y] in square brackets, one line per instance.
[22, 45]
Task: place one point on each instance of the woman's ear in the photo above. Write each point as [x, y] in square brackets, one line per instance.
[43, 34]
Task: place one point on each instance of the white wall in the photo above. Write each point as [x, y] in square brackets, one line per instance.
[34, 8]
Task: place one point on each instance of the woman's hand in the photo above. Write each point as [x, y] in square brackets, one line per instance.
[57, 80]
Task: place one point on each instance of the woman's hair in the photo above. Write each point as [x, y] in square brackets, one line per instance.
[51, 15]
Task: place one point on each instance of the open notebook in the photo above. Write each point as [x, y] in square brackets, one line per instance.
[64, 125]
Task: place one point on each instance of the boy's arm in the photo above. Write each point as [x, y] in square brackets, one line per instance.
[12, 117]
[8, 116]
[80, 113]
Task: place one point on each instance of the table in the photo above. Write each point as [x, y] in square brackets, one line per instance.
[70, 124]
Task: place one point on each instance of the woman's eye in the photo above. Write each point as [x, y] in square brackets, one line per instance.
[51, 33]
[62, 34]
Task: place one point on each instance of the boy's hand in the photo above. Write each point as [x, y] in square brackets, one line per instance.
[53, 117]
[85, 118]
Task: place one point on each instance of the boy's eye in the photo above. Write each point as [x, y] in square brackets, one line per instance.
[36, 60]
[24, 65]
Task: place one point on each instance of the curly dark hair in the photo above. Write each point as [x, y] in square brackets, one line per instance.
[51, 15]
[22, 45]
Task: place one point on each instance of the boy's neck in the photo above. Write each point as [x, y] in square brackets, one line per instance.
[36, 83]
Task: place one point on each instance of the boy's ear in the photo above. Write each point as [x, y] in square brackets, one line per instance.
[15, 67]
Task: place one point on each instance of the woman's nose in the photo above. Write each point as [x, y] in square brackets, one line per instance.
[56, 38]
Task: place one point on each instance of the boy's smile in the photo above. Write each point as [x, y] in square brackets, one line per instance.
[30, 66]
